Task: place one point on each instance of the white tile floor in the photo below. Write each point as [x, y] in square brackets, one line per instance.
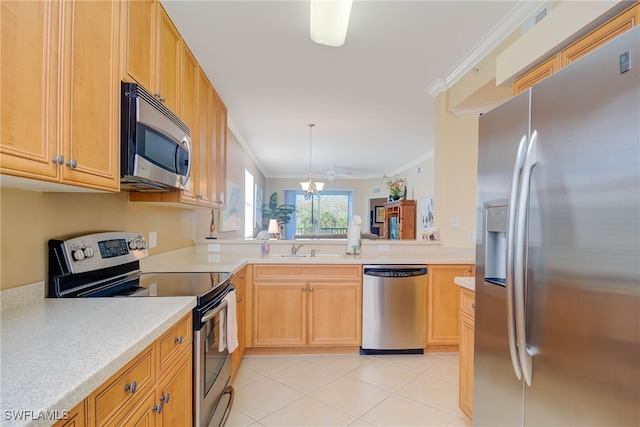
[348, 390]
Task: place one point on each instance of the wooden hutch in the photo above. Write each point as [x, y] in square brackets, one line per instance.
[400, 220]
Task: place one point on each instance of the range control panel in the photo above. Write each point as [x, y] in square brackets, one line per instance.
[97, 251]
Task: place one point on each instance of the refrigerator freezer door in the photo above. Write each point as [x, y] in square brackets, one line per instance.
[583, 274]
[498, 394]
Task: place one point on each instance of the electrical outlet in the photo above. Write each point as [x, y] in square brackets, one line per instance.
[153, 239]
[383, 248]
[455, 222]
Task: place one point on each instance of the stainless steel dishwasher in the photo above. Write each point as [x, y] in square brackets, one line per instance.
[394, 309]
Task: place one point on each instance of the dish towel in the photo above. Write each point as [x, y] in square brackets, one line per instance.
[229, 324]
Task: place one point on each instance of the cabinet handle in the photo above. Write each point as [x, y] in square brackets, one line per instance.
[59, 159]
[131, 387]
[72, 163]
[473, 305]
[157, 408]
[164, 398]
[239, 299]
[178, 340]
[157, 95]
[162, 99]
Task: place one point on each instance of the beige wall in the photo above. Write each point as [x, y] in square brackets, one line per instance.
[456, 168]
[237, 161]
[28, 219]
[420, 184]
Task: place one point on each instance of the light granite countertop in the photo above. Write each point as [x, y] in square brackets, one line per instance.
[232, 257]
[55, 352]
[466, 282]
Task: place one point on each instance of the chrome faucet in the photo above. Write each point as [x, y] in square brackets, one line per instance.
[294, 249]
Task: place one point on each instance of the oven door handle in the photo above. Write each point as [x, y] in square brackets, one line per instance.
[211, 313]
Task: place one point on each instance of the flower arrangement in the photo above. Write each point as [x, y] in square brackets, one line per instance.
[395, 186]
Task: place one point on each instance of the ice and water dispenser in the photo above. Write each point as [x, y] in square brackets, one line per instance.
[495, 253]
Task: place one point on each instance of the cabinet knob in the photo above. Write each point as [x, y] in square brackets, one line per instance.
[157, 408]
[311, 289]
[157, 95]
[469, 270]
[164, 398]
[239, 300]
[473, 305]
[72, 163]
[304, 289]
[178, 340]
[59, 159]
[131, 387]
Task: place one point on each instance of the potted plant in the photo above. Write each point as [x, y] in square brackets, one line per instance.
[396, 187]
[272, 211]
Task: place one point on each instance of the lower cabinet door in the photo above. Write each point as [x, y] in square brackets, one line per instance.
[174, 393]
[279, 315]
[143, 415]
[467, 328]
[335, 314]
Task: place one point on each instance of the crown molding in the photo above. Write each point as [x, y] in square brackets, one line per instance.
[507, 25]
[232, 127]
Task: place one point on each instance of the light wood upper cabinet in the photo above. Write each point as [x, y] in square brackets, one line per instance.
[443, 303]
[63, 58]
[610, 30]
[139, 27]
[536, 75]
[296, 306]
[152, 52]
[206, 140]
[91, 94]
[596, 38]
[189, 111]
[28, 89]
[168, 50]
[220, 178]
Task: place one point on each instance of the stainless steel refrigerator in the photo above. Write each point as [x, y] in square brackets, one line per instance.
[557, 338]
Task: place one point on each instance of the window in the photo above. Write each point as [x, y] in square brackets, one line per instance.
[248, 204]
[327, 213]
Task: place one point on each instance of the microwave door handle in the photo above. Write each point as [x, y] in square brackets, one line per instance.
[185, 179]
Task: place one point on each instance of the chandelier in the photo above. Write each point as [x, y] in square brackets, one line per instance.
[310, 187]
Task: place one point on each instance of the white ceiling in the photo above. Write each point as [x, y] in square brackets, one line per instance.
[369, 98]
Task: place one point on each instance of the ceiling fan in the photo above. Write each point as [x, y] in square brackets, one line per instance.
[337, 172]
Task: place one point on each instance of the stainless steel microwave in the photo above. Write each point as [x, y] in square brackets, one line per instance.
[155, 144]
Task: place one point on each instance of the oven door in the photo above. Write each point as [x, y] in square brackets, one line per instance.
[212, 371]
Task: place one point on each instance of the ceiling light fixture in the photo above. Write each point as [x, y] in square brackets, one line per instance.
[311, 187]
[329, 21]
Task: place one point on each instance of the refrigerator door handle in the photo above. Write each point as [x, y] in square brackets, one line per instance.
[511, 234]
[519, 257]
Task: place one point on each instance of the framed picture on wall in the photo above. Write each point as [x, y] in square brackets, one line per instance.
[379, 214]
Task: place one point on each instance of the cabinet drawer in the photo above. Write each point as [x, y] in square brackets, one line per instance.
[308, 272]
[173, 342]
[113, 400]
[467, 302]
